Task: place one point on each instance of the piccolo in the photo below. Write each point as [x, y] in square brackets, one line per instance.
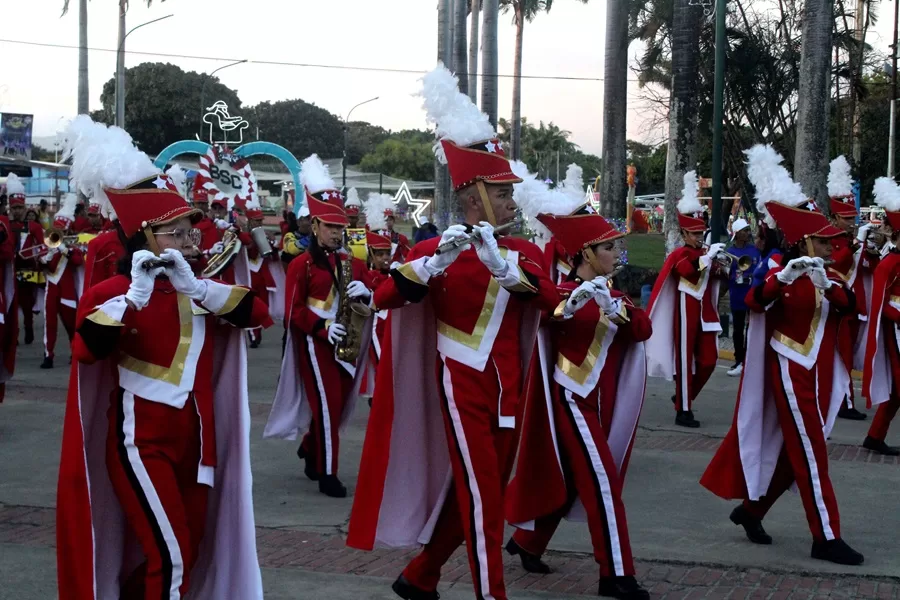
[150, 264]
[475, 236]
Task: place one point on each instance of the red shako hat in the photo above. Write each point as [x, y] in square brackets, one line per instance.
[690, 210]
[840, 189]
[149, 202]
[887, 196]
[844, 206]
[94, 209]
[799, 223]
[691, 223]
[377, 241]
[15, 190]
[482, 161]
[577, 232]
[352, 205]
[198, 192]
[325, 201]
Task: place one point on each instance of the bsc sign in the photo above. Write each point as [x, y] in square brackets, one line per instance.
[223, 176]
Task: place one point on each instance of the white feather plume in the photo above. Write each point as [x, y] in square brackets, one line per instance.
[887, 194]
[840, 182]
[534, 197]
[574, 181]
[352, 198]
[178, 177]
[67, 207]
[454, 115]
[690, 195]
[771, 180]
[14, 185]
[376, 206]
[314, 175]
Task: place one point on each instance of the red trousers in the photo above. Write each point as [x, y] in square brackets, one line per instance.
[327, 386]
[152, 455]
[804, 457]
[482, 456]
[853, 324]
[696, 353]
[591, 475]
[887, 410]
[53, 308]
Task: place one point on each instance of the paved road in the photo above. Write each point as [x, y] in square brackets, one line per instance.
[684, 543]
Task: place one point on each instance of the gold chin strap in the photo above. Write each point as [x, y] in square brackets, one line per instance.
[151, 240]
[486, 203]
[809, 248]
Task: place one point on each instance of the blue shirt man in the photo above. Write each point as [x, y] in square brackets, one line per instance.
[739, 284]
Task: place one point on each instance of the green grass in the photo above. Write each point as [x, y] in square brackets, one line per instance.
[646, 250]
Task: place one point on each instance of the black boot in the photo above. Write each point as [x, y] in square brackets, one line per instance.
[836, 551]
[29, 335]
[879, 447]
[685, 418]
[310, 469]
[48, 363]
[408, 591]
[530, 562]
[332, 487]
[752, 526]
[851, 413]
[625, 588]
[254, 344]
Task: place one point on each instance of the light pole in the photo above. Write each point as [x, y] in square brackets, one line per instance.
[347, 136]
[203, 91]
[718, 122]
[120, 72]
[892, 148]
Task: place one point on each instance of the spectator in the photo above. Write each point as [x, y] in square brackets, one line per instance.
[44, 215]
[426, 230]
[739, 284]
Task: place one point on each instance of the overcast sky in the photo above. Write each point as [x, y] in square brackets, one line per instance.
[393, 34]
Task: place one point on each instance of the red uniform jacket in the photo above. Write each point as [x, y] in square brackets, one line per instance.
[209, 232]
[882, 370]
[27, 235]
[81, 224]
[400, 243]
[9, 319]
[61, 273]
[261, 279]
[102, 260]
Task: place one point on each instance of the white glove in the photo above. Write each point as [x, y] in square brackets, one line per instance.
[357, 289]
[182, 276]
[795, 269]
[715, 250]
[581, 296]
[336, 333]
[396, 265]
[489, 252]
[820, 278]
[141, 287]
[45, 259]
[438, 263]
[217, 248]
[862, 233]
[222, 224]
[887, 248]
[605, 301]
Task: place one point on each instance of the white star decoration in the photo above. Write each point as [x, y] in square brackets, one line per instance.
[491, 147]
[160, 183]
[326, 196]
[419, 205]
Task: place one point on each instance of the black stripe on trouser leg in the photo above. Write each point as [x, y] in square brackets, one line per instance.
[161, 546]
[320, 447]
[598, 490]
[821, 525]
[473, 551]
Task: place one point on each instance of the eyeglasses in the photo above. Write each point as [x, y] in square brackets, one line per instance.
[183, 235]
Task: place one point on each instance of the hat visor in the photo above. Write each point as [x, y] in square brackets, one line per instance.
[332, 220]
[828, 232]
[191, 213]
[843, 210]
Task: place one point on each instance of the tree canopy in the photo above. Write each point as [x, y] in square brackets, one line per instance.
[405, 155]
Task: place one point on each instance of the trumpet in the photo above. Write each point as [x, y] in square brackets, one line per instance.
[55, 238]
[726, 259]
[474, 237]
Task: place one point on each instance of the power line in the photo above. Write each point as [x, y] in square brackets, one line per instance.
[296, 64]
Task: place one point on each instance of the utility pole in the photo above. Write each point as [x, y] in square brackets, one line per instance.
[892, 142]
[718, 123]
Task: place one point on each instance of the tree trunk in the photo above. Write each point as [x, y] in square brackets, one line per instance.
[443, 199]
[856, 105]
[615, 104]
[682, 157]
[473, 51]
[489, 96]
[811, 162]
[460, 47]
[515, 138]
[83, 85]
[120, 67]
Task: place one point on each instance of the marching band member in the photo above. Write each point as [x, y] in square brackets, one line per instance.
[154, 496]
[352, 207]
[210, 232]
[398, 240]
[794, 380]
[61, 294]
[9, 317]
[684, 310]
[882, 363]
[597, 367]
[103, 255]
[465, 336]
[852, 263]
[316, 388]
[29, 236]
[96, 220]
[262, 280]
[296, 241]
[380, 249]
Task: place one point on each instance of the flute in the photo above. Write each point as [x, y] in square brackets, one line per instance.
[475, 236]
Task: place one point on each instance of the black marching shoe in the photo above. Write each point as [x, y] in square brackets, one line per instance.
[48, 363]
[624, 588]
[29, 335]
[850, 413]
[879, 447]
[530, 562]
[332, 487]
[836, 551]
[310, 469]
[254, 344]
[408, 591]
[752, 526]
[685, 418]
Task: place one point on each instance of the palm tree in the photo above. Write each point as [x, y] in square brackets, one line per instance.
[615, 106]
[473, 51]
[460, 50]
[811, 162]
[684, 100]
[489, 96]
[83, 90]
[442, 196]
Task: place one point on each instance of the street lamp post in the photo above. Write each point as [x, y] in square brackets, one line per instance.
[120, 71]
[347, 137]
[203, 90]
[718, 123]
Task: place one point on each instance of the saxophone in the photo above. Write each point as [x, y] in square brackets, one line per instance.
[352, 315]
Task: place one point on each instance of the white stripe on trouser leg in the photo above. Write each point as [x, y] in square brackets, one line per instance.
[326, 416]
[46, 320]
[603, 482]
[478, 516]
[807, 448]
[159, 513]
[683, 381]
